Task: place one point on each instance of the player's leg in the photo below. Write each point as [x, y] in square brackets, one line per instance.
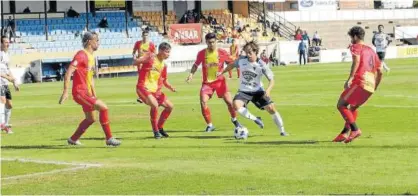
[82, 127]
[105, 123]
[8, 109]
[2, 107]
[205, 94]
[240, 102]
[228, 100]
[268, 105]
[381, 56]
[230, 73]
[168, 108]
[151, 101]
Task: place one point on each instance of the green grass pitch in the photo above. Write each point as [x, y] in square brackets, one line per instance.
[382, 161]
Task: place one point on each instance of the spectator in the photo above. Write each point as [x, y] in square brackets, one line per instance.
[26, 10]
[305, 38]
[302, 49]
[190, 17]
[298, 35]
[103, 23]
[275, 28]
[72, 13]
[210, 18]
[11, 23]
[317, 39]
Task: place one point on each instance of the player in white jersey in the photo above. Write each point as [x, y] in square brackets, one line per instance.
[5, 94]
[252, 69]
[381, 41]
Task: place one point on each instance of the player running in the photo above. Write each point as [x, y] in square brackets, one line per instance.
[234, 51]
[150, 81]
[251, 87]
[212, 60]
[84, 92]
[365, 77]
[381, 41]
[6, 76]
[140, 48]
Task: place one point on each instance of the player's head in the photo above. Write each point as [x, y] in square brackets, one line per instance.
[357, 34]
[4, 43]
[211, 41]
[91, 39]
[145, 35]
[251, 49]
[164, 50]
[380, 28]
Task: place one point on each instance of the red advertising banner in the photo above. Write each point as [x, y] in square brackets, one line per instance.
[186, 33]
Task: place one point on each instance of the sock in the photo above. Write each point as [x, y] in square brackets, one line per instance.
[82, 127]
[278, 121]
[235, 122]
[355, 113]
[163, 117]
[348, 117]
[238, 72]
[153, 118]
[346, 128]
[7, 114]
[104, 121]
[245, 113]
[206, 114]
[232, 111]
[2, 107]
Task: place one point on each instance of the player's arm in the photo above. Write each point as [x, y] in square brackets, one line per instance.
[13, 80]
[373, 39]
[378, 78]
[144, 59]
[134, 51]
[270, 77]
[93, 88]
[165, 81]
[230, 67]
[67, 79]
[354, 67]
[194, 67]
[389, 40]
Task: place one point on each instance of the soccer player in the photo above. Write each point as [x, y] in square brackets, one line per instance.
[84, 92]
[141, 48]
[251, 88]
[212, 60]
[234, 51]
[365, 77]
[150, 81]
[6, 76]
[381, 41]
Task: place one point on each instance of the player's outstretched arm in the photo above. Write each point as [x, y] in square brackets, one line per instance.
[227, 68]
[67, 79]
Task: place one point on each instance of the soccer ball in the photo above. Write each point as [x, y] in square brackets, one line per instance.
[241, 133]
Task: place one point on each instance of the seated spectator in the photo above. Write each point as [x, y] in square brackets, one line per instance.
[275, 28]
[72, 13]
[103, 23]
[305, 38]
[298, 35]
[210, 18]
[190, 17]
[26, 10]
[317, 39]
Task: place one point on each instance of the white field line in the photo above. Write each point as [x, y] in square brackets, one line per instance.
[215, 103]
[79, 166]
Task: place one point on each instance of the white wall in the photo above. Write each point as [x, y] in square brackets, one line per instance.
[6, 8]
[147, 5]
[170, 5]
[338, 15]
[79, 6]
[210, 5]
[34, 6]
[406, 32]
[190, 5]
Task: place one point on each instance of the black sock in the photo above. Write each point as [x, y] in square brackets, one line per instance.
[353, 127]
[345, 130]
[236, 123]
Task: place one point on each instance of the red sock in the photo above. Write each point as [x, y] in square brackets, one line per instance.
[153, 117]
[163, 117]
[82, 127]
[232, 111]
[347, 114]
[206, 114]
[355, 113]
[104, 121]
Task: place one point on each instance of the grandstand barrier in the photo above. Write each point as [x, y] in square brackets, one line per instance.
[34, 15]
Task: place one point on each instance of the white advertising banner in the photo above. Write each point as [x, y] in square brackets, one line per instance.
[310, 5]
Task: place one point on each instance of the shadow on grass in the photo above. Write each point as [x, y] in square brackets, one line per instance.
[24, 147]
[283, 142]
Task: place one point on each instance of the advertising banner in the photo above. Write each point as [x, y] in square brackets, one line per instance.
[186, 33]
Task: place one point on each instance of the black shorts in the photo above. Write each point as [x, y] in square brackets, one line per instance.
[381, 55]
[5, 91]
[258, 98]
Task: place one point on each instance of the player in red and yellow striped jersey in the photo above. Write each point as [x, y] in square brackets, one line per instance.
[141, 48]
[83, 91]
[152, 77]
[234, 51]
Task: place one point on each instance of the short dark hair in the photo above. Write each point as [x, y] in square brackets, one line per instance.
[210, 36]
[380, 26]
[3, 37]
[145, 32]
[253, 45]
[357, 31]
[164, 46]
[87, 36]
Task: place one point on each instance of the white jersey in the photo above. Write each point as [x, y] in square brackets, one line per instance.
[251, 73]
[381, 41]
[4, 67]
